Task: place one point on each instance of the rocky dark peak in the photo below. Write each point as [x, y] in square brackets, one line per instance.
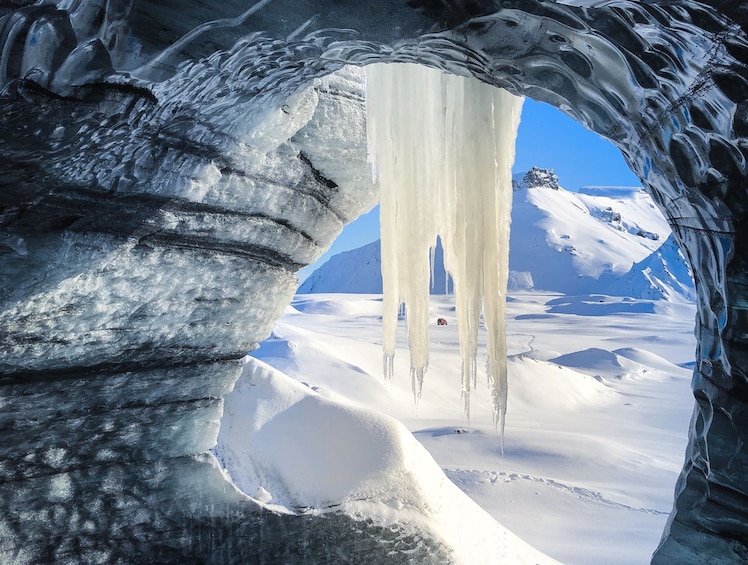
[538, 178]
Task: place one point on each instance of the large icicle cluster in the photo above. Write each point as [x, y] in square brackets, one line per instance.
[442, 148]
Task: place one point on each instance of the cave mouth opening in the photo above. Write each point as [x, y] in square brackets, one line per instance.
[622, 344]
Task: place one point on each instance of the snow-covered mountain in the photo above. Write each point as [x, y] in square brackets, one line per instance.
[664, 274]
[611, 240]
[359, 271]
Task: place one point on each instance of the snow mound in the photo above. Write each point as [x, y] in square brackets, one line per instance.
[648, 359]
[296, 451]
[592, 359]
[279, 427]
[564, 389]
[623, 363]
[277, 348]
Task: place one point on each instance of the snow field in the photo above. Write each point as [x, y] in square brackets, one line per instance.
[597, 418]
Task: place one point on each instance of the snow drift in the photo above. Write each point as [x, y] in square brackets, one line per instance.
[297, 451]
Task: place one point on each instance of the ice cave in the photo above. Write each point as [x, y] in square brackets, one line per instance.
[168, 167]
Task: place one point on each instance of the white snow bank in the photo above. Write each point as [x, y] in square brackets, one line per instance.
[627, 362]
[648, 359]
[562, 388]
[294, 451]
[593, 359]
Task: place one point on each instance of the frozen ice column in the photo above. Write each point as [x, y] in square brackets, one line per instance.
[442, 149]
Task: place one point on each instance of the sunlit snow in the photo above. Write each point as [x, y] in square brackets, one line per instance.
[600, 403]
[302, 449]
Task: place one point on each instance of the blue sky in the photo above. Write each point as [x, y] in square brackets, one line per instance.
[546, 138]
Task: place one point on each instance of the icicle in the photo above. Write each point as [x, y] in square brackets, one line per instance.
[408, 214]
[432, 264]
[442, 148]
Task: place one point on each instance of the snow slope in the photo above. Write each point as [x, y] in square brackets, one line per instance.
[567, 240]
[359, 271]
[605, 239]
[663, 275]
[298, 450]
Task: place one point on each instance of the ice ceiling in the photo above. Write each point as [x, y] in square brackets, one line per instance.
[151, 205]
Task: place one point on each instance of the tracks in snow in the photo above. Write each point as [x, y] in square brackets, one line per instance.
[463, 478]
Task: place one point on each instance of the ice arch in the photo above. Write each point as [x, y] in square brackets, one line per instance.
[135, 175]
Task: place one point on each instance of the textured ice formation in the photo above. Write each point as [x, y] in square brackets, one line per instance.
[165, 170]
[442, 149]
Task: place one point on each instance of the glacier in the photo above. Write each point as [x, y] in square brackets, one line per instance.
[166, 170]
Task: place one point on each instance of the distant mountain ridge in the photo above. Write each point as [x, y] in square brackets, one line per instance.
[611, 240]
[359, 271]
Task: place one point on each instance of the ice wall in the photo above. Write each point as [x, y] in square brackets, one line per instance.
[441, 148]
[153, 210]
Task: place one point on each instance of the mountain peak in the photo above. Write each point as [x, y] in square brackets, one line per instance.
[537, 177]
